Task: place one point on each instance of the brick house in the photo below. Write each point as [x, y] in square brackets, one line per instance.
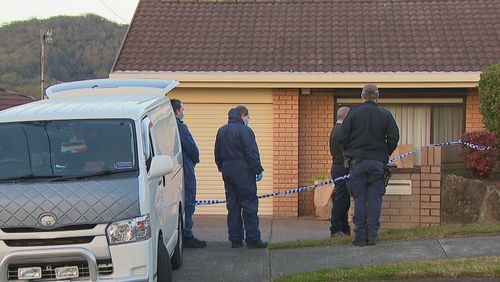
[294, 62]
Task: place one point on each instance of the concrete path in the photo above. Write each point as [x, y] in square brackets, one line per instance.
[218, 262]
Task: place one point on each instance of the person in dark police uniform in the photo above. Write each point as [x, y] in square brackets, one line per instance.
[368, 137]
[342, 201]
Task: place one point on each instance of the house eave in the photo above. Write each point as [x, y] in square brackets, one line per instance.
[312, 79]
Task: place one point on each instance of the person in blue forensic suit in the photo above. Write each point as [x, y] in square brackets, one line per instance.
[237, 157]
[190, 156]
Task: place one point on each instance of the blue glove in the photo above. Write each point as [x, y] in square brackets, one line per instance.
[259, 176]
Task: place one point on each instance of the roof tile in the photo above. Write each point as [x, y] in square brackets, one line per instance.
[10, 99]
[312, 36]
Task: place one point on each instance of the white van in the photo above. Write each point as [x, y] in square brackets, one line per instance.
[91, 184]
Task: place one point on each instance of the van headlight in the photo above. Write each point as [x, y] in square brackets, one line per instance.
[129, 230]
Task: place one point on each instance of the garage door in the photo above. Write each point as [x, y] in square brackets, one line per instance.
[205, 112]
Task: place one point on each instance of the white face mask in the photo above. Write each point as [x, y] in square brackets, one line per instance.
[247, 122]
[181, 116]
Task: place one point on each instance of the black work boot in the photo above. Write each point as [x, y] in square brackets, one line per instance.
[259, 244]
[236, 244]
[192, 242]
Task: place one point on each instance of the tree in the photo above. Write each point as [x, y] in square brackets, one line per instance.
[489, 98]
[84, 47]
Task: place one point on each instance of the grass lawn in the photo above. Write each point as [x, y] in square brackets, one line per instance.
[417, 233]
[483, 267]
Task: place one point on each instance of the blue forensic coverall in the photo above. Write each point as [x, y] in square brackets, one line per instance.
[190, 156]
[237, 157]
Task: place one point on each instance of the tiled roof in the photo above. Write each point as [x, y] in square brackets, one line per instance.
[10, 99]
[313, 36]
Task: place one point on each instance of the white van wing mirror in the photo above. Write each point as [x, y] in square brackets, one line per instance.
[160, 166]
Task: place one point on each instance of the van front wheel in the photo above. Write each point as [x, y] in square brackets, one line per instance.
[163, 267]
[178, 252]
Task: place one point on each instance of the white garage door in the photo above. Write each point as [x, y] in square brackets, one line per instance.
[205, 112]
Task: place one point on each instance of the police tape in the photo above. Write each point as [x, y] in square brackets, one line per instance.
[345, 177]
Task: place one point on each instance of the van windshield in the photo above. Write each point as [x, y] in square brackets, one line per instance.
[65, 148]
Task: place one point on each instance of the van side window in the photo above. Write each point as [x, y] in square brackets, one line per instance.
[160, 136]
[164, 134]
[173, 133]
[163, 130]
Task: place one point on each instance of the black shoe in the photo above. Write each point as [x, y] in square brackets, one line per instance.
[371, 243]
[359, 243]
[259, 244]
[236, 244]
[191, 242]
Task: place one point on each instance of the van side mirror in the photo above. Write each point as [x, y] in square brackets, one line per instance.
[160, 166]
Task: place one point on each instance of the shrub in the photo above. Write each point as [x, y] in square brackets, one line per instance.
[480, 162]
[489, 98]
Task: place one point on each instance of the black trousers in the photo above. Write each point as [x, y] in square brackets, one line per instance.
[341, 203]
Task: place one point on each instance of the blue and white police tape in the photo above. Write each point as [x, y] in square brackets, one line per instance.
[345, 177]
[459, 142]
[286, 192]
[474, 146]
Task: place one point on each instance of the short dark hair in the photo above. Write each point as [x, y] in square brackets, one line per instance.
[176, 104]
[242, 110]
[370, 92]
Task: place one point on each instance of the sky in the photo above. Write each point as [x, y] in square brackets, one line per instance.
[120, 11]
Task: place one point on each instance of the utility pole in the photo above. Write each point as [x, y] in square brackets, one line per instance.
[45, 37]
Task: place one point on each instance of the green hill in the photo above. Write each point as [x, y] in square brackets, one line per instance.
[83, 47]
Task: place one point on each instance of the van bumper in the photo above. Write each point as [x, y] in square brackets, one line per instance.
[55, 252]
[60, 253]
[135, 278]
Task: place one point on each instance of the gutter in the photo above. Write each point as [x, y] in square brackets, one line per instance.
[312, 80]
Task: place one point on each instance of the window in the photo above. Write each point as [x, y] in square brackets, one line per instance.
[414, 125]
[448, 125]
[165, 134]
[66, 148]
[160, 137]
[422, 121]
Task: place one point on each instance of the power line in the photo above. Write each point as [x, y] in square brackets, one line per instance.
[111, 10]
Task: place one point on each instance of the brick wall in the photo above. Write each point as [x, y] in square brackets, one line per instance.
[312, 128]
[402, 211]
[430, 187]
[473, 117]
[316, 117]
[422, 207]
[286, 150]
